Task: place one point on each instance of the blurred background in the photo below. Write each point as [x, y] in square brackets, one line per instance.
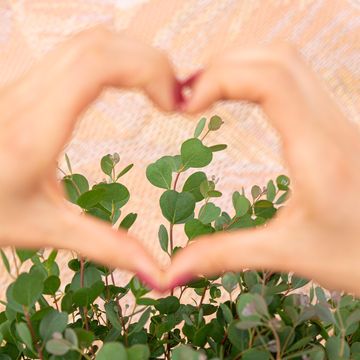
[326, 33]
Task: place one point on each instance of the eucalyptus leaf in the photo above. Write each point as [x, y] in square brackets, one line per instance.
[160, 174]
[194, 154]
[241, 204]
[208, 213]
[163, 238]
[192, 184]
[112, 350]
[199, 127]
[177, 207]
[53, 322]
[107, 164]
[27, 289]
[215, 123]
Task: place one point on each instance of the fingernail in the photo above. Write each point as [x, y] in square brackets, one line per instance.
[181, 280]
[148, 281]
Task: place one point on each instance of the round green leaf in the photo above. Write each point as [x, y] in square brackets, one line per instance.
[107, 164]
[138, 352]
[215, 123]
[246, 308]
[112, 350]
[71, 337]
[174, 162]
[27, 289]
[160, 174]
[168, 305]
[51, 285]
[57, 347]
[184, 352]
[81, 297]
[229, 281]
[75, 185]
[283, 182]
[336, 349]
[91, 276]
[192, 184]
[115, 193]
[208, 213]
[241, 204]
[264, 209]
[25, 254]
[195, 228]
[25, 335]
[206, 188]
[255, 354]
[90, 198]
[200, 127]
[194, 154]
[177, 207]
[255, 191]
[85, 338]
[53, 322]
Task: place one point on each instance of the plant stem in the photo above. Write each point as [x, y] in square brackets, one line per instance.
[202, 297]
[202, 139]
[82, 264]
[277, 340]
[32, 332]
[121, 312]
[56, 303]
[176, 180]
[171, 237]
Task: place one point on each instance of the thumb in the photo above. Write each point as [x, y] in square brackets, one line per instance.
[100, 243]
[268, 247]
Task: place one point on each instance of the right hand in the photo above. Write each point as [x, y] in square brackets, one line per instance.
[317, 233]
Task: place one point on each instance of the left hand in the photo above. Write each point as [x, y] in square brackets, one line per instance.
[38, 114]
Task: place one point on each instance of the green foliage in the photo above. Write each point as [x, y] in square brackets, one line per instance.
[251, 315]
[177, 207]
[195, 154]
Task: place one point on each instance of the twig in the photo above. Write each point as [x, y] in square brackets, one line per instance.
[32, 332]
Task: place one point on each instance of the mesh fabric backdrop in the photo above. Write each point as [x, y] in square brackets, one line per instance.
[326, 32]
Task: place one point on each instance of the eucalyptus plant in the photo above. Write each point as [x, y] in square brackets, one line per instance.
[251, 315]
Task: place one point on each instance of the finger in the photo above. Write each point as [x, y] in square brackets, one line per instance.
[98, 242]
[269, 247]
[61, 86]
[277, 79]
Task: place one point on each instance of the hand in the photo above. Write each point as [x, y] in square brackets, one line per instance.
[38, 114]
[317, 234]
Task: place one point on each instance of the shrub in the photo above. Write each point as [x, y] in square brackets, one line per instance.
[262, 317]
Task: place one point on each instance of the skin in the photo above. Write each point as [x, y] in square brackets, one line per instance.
[39, 112]
[315, 235]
